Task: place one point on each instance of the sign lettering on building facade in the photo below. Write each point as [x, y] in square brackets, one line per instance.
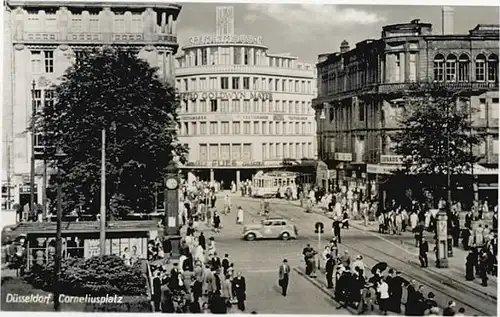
[216, 39]
[194, 118]
[212, 95]
[225, 117]
[343, 156]
[391, 159]
[297, 118]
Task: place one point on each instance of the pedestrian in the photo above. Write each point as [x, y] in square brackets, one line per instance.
[344, 284]
[450, 310]
[469, 266]
[483, 269]
[383, 290]
[201, 241]
[225, 263]
[216, 222]
[431, 302]
[239, 289]
[157, 291]
[419, 230]
[227, 292]
[396, 292]
[283, 276]
[423, 249]
[411, 299]
[329, 268]
[308, 253]
[239, 216]
[420, 304]
[345, 259]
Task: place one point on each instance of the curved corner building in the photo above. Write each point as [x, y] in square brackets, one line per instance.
[242, 108]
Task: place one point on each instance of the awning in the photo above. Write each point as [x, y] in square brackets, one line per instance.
[481, 170]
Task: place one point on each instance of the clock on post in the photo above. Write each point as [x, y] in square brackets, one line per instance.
[171, 220]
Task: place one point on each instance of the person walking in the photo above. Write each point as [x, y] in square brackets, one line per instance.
[216, 222]
[423, 249]
[383, 290]
[283, 276]
[239, 216]
[239, 289]
[329, 268]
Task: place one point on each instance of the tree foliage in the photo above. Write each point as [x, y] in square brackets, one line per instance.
[435, 118]
[117, 91]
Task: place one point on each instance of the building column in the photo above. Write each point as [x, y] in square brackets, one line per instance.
[252, 60]
[163, 22]
[231, 54]
[174, 27]
[238, 179]
[402, 68]
[169, 23]
[242, 53]
[212, 175]
[407, 67]
[198, 52]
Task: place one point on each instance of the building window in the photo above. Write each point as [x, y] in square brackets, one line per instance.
[247, 56]
[495, 146]
[297, 86]
[120, 25]
[213, 128]
[271, 127]
[136, 25]
[246, 127]
[213, 82]
[256, 127]
[194, 126]
[236, 128]
[463, 68]
[36, 62]
[203, 128]
[270, 84]
[224, 106]
[255, 83]
[193, 84]
[277, 85]
[236, 83]
[439, 68]
[264, 151]
[480, 67]
[196, 61]
[76, 25]
[494, 109]
[236, 105]
[246, 105]
[237, 55]
[94, 25]
[255, 105]
[186, 128]
[38, 100]
[204, 58]
[186, 85]
[493, 68]
[49, 98]
[49, 61]
[225, 127]
[451, 68]
[303, 107]
[361, 112]
[224, 83]
[265, 128]
[214, 52]
[246, 83]
[297, 107]
[213, 105]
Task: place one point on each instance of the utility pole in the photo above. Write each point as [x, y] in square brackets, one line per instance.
[33, 135]
[102, 234]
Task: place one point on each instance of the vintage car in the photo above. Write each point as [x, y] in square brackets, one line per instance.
[270, 228]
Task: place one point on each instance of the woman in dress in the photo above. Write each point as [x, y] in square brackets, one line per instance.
[239, 216]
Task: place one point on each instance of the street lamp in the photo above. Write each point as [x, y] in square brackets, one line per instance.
[32, 172]
[59, 155]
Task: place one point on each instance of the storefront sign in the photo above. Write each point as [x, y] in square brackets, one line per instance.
[212, 95]
[391, 159]
[343, 157]
[297, 118]
[194, 118]
[217, 39]
[381, 169]
[250, 117]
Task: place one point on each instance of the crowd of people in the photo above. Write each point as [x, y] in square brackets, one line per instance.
[201, 281]
[365, 290]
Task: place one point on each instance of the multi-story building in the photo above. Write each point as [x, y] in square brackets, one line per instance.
[41, 40]
[361, 89]
[243, 108]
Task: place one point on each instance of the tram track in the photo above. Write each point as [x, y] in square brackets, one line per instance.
[442, 284]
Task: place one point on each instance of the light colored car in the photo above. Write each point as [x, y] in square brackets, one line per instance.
[271, 228]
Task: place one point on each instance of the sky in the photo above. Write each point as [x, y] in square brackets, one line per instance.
[306, 30]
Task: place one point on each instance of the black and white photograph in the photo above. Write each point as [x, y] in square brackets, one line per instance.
[300, 158]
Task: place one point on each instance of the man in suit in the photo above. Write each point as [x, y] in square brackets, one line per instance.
[239, 289]
[284, 273]
[216, 262]
[174, 278]
[329, 267]
[423, 249]
[157, 291]
[225, 263]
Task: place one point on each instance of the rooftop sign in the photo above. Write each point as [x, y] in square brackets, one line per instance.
[216, 39]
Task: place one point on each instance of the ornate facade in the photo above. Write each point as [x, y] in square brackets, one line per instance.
[360, 91]
[42, 39]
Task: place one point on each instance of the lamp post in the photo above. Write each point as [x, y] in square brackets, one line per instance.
[102, 233]
[58, 257]
[33, 126]
[322, 118]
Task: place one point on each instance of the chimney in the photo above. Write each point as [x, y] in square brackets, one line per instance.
[448, 17]
[344, 47]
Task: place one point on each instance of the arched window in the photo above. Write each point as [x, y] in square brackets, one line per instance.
[493, 68]
[451, 68]
[480, 67]
[439, 68]
[463, 68]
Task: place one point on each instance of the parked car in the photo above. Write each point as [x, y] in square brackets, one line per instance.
[271, 228]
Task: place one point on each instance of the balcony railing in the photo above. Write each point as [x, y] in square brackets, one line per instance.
[398, 87]
[252, 69]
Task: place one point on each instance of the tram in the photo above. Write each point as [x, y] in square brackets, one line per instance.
[280, 184]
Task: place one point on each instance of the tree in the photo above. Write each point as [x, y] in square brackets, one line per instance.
[435, 135]
[114, 90]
